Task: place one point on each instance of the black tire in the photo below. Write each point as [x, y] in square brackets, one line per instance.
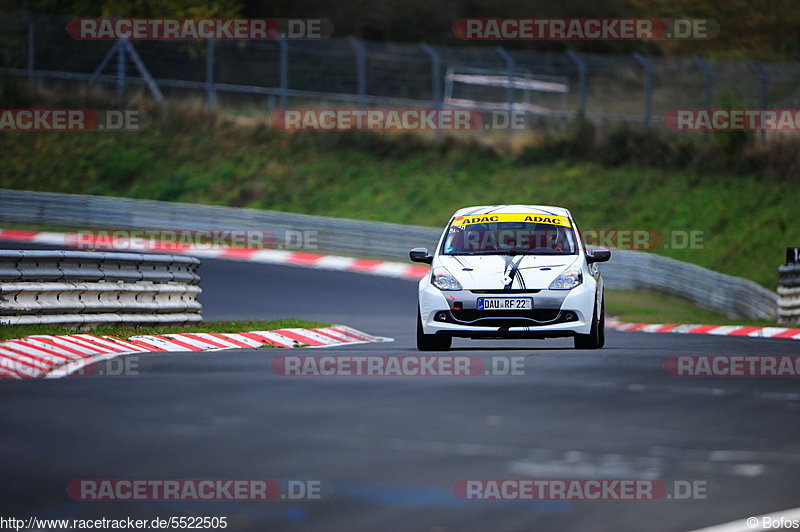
[596, 338]
[431, 342]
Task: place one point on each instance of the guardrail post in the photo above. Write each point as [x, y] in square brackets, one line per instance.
[581, 65]
[31, 49]
[284, 71]
[211, 95]
[361, 70]
[648, 88]
[789, 289]
[709, 85]
[120, 73]
[510, 65]
[763, 96]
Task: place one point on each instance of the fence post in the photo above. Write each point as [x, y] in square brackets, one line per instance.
[510, 89]
[436, 80]
[763, 96]
[709, 85]
[448, 84]
[709, 80]
[211, 94]
[510, 67]
[581, 64]
[139, 64]
[284, 73]
[361, 70]
[648, 88]
[120, 73]
[436, 75]
[31, 42]
[103, 64]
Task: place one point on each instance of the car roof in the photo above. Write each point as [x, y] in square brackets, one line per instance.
[516, 209]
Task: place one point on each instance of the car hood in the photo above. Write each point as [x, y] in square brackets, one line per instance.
[492, 272]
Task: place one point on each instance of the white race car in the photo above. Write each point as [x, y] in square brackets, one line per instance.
[511, 271]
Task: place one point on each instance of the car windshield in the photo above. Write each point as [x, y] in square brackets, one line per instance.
[512, 237]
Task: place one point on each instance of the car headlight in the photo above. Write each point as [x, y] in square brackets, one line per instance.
[567, 280]
[444, 280]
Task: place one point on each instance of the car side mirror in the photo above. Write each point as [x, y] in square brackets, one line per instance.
[598, 255]
[420, 255]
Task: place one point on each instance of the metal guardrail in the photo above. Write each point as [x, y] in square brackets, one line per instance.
[82, 288]
[31, 265]
[335, 235]
[789, 292]
[733, 296]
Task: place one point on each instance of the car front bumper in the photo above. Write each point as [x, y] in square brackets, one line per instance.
[556, 313]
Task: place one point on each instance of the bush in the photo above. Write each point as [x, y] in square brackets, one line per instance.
[725, 151]
[579, 141]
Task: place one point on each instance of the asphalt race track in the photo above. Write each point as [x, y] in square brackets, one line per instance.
[389, 450]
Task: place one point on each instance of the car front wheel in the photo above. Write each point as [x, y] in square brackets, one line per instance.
[597, 335]
[431, 342]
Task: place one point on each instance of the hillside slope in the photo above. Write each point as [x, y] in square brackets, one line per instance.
[746, 221]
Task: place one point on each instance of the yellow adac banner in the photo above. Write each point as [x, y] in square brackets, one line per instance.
[511, 217]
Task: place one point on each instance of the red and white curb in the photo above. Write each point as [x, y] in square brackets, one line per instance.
[370, 267]
[58, 356]
[718, 330]
[267, 256]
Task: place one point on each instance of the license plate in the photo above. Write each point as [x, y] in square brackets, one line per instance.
[505, 303]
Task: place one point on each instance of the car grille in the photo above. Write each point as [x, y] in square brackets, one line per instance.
[504, 291]
[507, 318]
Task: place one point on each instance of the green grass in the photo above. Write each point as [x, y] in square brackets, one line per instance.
[746, 220]
[640, 306]
[8, 332]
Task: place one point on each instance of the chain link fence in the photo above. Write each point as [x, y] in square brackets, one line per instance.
[549, 87]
